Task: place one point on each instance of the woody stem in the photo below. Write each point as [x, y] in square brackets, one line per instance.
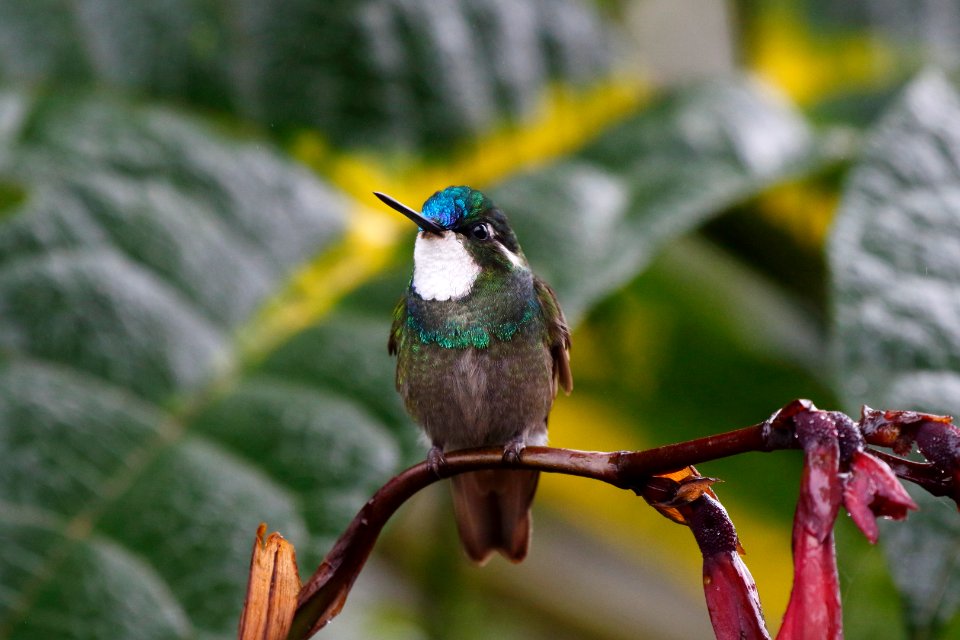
[323, 595]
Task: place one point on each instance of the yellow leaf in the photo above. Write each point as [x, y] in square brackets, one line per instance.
[811, 65]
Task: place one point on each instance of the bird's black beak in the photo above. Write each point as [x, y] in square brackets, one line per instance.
[424, 223]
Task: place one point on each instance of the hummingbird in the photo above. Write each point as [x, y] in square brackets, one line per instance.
[482, 347]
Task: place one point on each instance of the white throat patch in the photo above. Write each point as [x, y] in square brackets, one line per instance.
[443, 269]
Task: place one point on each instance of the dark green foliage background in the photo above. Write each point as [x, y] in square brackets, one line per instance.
[151, 204]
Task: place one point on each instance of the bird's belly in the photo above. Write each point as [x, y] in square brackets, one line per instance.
[480, 397]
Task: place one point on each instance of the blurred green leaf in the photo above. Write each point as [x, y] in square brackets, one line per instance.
[145, 444]
[145, 431]
[369, 73]
[143, 241]
[895, 257]
[591, 223]
[922, 27]
[924, 558]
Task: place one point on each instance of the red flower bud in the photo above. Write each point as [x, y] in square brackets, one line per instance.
[732, 598]
[871, 491]
[730, 591]
[814, 609]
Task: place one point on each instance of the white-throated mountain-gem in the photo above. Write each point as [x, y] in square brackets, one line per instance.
[481, 346]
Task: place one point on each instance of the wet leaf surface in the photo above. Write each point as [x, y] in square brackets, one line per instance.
[371, 73]
[895, 258]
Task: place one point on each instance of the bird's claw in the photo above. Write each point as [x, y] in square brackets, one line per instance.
[512, 451]
[436, 461]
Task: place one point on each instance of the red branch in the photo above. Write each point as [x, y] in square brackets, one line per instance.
[322, 597]
[324, 594]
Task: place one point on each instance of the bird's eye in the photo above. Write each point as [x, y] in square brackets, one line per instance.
[480, 231]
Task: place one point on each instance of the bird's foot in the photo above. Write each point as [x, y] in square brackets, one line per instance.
[436, 461]
[513, 449]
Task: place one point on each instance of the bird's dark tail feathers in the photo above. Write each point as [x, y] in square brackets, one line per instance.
[493, 512]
